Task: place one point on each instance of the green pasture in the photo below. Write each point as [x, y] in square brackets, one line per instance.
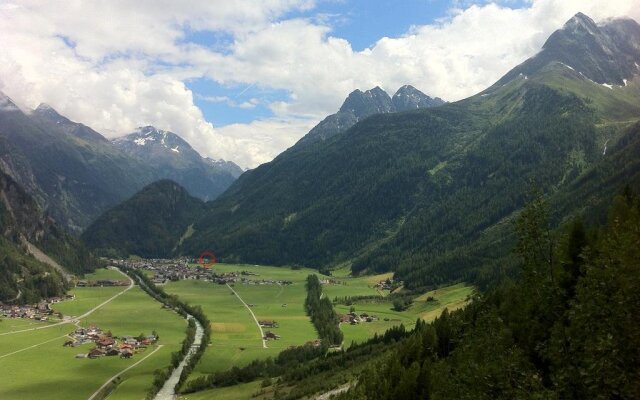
[34, 363]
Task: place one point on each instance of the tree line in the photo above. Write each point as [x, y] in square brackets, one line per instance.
[322, 314]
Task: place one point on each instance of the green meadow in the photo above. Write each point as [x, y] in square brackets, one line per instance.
[34, 363]
[236, 339]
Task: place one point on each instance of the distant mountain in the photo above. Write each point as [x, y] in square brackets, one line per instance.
[171, 157]
[360, 105]
[77, 174]
[229, 166]
[430, 193]
[149, 224]
[37, 256]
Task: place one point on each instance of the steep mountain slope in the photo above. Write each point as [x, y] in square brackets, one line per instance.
[360, 105]
[149, 224]
[173, 158]
[76, 174]
[430, 193]
[25, 230]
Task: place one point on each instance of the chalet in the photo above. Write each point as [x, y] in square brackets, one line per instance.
[105, 342]
[112, 352]
[268, 324]
[271, 336]
[126, 353]
[95, 353]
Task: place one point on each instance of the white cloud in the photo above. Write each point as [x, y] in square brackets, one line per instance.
[129, 60]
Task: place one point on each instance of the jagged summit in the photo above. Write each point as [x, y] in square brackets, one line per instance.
[151, 136]
[6, 104]
[409, 98]
[362, 104]
[606, 53]
[46, 111]
[359, 105]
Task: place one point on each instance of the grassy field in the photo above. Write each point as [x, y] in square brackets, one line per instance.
[34, 361]
[236, 339]
[35, 365]
[238, 392]
[451, 297]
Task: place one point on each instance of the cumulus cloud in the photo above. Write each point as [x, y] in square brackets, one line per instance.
[119, 64]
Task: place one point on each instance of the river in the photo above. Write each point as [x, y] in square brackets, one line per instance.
[168, 391]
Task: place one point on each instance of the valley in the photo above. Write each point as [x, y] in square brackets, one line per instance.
[406, 247]
[236, 338]
[33, 358]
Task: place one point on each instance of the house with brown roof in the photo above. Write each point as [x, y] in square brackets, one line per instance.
[95, 353]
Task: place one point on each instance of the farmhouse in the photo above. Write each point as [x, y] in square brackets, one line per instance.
[96, 352]
[268, 324]
[271, 336]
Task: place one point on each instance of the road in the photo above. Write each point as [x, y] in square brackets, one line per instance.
[123, 371]
[264, 342]
[76, 319]
[32, 346]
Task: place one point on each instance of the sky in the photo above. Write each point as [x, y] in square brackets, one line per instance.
[244, 80]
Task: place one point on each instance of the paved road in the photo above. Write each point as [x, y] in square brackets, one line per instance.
[123, 371]
[76, 319]
[264, 342]
[32, 346]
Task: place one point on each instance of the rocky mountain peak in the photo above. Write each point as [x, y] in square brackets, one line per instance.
[363, 104]
[409, 98]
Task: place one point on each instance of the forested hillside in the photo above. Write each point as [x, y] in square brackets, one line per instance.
[149, 224]
[566, 329]
[428, 193]
[23, 226]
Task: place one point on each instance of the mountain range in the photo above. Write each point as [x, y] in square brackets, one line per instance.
[430, 193]
[76, 174]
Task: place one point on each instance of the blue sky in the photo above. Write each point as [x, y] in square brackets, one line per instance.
[361, 22]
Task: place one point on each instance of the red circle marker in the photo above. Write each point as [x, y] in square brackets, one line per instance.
[207, 259]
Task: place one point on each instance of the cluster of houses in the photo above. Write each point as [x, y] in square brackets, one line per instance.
[330, 281]
[268, 335]
[354, 319]
[387, 284]
[39, 312]
[106, 344]
[165, 270]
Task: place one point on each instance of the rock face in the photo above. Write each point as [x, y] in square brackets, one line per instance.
[360, 105]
